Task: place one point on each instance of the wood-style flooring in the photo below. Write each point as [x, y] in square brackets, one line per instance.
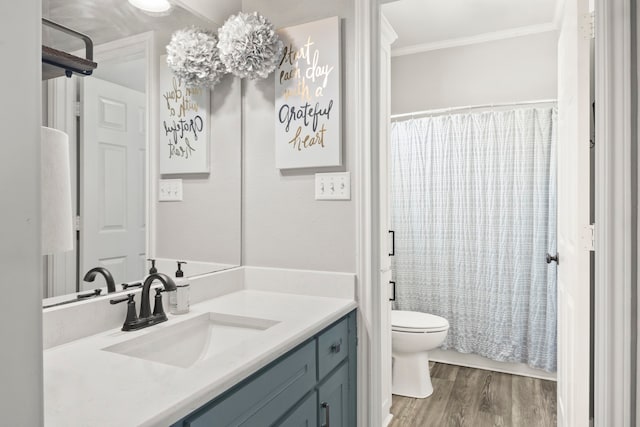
[477, 398]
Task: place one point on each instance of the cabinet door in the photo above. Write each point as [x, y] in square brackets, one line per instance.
[333, 399]
[305, 415]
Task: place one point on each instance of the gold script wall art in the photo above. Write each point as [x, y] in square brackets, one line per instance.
[307, 85]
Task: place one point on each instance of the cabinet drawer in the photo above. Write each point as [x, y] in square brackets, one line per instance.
[333, 347]
[268, 395]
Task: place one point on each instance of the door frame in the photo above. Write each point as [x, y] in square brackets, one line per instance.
[367, 203]
[616, 235]
[61, 269]
[616, 196]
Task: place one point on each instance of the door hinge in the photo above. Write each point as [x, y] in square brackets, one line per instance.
[77, 108]
[592, 20]
[77, 223]
[587, 27]
[589, 237]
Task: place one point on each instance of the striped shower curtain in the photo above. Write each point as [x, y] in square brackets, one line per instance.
[474, 212]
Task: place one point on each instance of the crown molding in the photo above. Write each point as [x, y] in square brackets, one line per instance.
[480, 38]
[386, 30]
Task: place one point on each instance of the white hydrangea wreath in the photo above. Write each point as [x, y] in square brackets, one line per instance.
[193, 56]
[249, 46]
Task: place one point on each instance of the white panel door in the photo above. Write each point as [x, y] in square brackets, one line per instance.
[113, 210]
[388, 36]
[573, 215]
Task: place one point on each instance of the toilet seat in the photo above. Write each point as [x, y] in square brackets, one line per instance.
[417, 322]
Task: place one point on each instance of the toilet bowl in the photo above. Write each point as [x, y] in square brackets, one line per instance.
[413, 334]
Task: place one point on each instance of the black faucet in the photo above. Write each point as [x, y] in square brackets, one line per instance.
[169, 285]
[91, 275]
[146, 318]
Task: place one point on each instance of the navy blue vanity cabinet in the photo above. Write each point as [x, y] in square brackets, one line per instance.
[312, 385]
[269, 394]
[304, 415]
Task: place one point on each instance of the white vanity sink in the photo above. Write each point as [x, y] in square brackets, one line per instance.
[183, 343]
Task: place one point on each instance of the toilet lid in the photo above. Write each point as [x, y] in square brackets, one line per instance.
[415, 321]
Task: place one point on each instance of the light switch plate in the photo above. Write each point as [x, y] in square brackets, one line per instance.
[170, 190]
[333, 186]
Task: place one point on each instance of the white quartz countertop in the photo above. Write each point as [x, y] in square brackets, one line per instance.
[85, 385]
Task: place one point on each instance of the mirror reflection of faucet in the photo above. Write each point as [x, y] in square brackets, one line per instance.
[94, 293]
[91, 276]
[126, 286]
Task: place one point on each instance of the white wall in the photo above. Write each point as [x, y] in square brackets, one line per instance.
[20, 259]
[510, 70]
[284, 226]
[206, 225]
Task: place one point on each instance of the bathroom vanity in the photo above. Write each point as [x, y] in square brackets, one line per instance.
[253, 356]
[314, 384]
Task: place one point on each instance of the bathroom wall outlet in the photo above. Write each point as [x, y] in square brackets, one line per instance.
[170, 190]
[333, 186]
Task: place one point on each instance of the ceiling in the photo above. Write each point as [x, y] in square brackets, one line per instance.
[107, 20]
[423, 22]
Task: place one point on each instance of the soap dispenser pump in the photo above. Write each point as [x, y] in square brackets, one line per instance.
[179, 299]
[153, 269]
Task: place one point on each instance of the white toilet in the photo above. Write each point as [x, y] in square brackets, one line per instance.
[413, 334]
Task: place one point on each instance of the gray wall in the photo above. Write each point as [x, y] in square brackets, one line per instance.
[510, 70]
[20, 259]
[283, 225]
[206, 225]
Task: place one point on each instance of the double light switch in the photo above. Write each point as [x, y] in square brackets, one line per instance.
[170, 190]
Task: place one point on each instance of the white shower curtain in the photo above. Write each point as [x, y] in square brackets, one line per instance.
[474, 214]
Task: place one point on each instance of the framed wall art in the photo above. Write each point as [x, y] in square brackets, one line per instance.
[307, 98]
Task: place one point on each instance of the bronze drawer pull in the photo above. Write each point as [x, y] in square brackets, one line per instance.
[327, 416]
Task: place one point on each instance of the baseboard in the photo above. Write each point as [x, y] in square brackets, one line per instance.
[387, 420]
[453, 357]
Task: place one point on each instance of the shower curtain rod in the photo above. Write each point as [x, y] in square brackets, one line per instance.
[469, 107]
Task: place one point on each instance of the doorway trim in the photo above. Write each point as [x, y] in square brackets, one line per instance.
[616, 237]
[367, 205]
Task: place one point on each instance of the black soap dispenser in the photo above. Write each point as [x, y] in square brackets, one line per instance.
[179, 299]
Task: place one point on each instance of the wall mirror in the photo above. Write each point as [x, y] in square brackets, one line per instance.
[112, 119]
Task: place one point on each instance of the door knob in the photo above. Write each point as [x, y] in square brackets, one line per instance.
[555, 258]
